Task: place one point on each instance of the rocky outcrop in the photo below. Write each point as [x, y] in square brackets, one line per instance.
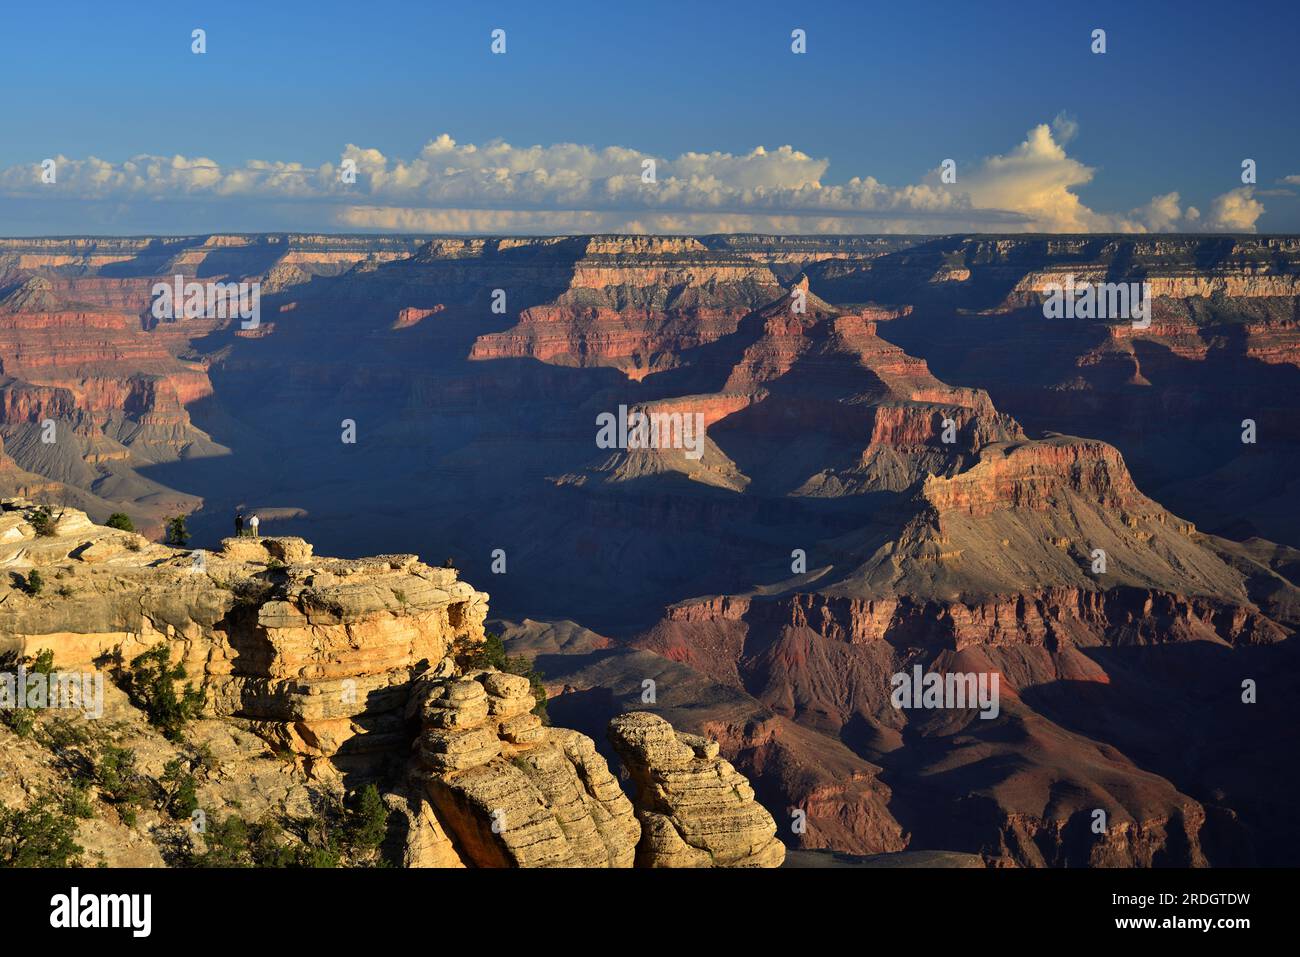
[695, 809]
[316, 653]
[326, 662]
[803, 367]
[493, 787]
[507, 791]
[344, 666]
[411, 316]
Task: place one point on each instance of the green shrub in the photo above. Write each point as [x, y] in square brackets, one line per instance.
[20, 719]
[42, 521]
[229, 842]
[77, 802]
[116, 776]
[180, 789]
[35, 583]
[366, 823]
[177, 532]
[251, 592]
[348, 833]
[61, 733]
[41, 835]
[151, 686]
[490, 654]
[235, 842]
[122, 521]
[203, 756]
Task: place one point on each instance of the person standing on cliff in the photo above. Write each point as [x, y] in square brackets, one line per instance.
[253, 523]
[239, 524]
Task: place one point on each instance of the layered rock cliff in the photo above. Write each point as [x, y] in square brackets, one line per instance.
[916, 467]
[635, 303]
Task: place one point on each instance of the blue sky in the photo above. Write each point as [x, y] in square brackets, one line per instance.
[1184, 92]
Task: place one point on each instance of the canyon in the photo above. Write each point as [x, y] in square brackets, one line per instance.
[906, 462]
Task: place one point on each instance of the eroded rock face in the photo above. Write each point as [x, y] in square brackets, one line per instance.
[329, 656]
[633, 302]
[318, 653]
[493, 787]
[695, 809]
[507, 791]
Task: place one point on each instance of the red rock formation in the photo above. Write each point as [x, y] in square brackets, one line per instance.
[412, 316]
[635, 304]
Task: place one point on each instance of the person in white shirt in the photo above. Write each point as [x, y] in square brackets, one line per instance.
[253, 523]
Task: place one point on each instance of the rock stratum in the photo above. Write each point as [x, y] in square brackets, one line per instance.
[904, 462]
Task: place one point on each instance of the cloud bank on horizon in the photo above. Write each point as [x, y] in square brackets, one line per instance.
[496, 187]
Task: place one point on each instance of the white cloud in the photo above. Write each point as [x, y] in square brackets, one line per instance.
[1037, 179]
[567, 187]
[1236, 211]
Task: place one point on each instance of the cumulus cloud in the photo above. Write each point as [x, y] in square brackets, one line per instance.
[1036, 179]
[498, 187]
[1235, 211]
[1163, 214]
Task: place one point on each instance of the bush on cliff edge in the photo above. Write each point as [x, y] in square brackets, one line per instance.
[492, 654]
[122, 521]
[151, 686]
